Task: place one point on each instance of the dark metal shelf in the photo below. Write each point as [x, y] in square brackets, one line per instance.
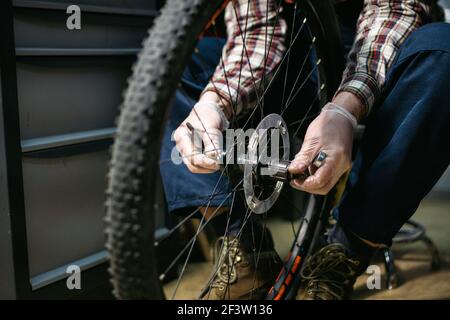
[45, 143]
[43, 52]
[59, 92]
[50, 5]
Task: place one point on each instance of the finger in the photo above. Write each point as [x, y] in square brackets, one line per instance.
[199, 160]
[296, 184]
[190, 164]
[185, 142]
[212, 148]
[212, 143]
[320, 178]
[318, 183]
[189, 149]
[189, 144]
[297, 166]
[299, 185]
[304, 158]
[197, 170]
[196, 161]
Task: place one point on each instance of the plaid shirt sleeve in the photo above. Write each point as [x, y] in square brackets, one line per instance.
[382, 27]
[254, 47]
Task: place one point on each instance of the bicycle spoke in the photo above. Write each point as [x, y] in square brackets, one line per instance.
[189, 245]
[200, 225]
[225, 234]
[271, 80]
[238, 236]
[300, 72]
[192, 214]
[287, 199]
[261, 240]
[286, 102]
[289, 102]
[309, 110]
[289, 53]
[243, 37]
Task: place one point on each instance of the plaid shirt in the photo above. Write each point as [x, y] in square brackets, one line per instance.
[382, 26]
[251, 24]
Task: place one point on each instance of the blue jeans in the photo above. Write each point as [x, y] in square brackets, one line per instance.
[406, 146]
[185, 190]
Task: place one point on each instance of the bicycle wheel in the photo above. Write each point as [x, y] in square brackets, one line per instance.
[135, 161]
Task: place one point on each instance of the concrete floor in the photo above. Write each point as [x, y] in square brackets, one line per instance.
[412, 261]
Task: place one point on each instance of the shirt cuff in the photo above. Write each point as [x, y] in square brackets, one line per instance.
[364, 86]
[235, 95]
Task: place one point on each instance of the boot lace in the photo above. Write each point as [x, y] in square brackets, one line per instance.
[329, 272]
[227, 254]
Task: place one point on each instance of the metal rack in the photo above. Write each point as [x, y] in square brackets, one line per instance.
[60, 92]
[411, 232]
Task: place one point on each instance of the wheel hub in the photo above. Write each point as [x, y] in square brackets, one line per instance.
[257, 170]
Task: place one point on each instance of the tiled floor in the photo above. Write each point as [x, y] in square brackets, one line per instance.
[412, 261]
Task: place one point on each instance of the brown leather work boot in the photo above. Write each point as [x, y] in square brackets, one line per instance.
[329, 274]
[239, 274]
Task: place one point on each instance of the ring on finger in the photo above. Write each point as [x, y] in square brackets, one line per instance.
[319, 160]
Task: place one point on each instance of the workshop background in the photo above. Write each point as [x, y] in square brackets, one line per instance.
[60, 90]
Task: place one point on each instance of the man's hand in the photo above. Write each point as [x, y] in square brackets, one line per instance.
[331, 133]
[204, 125]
